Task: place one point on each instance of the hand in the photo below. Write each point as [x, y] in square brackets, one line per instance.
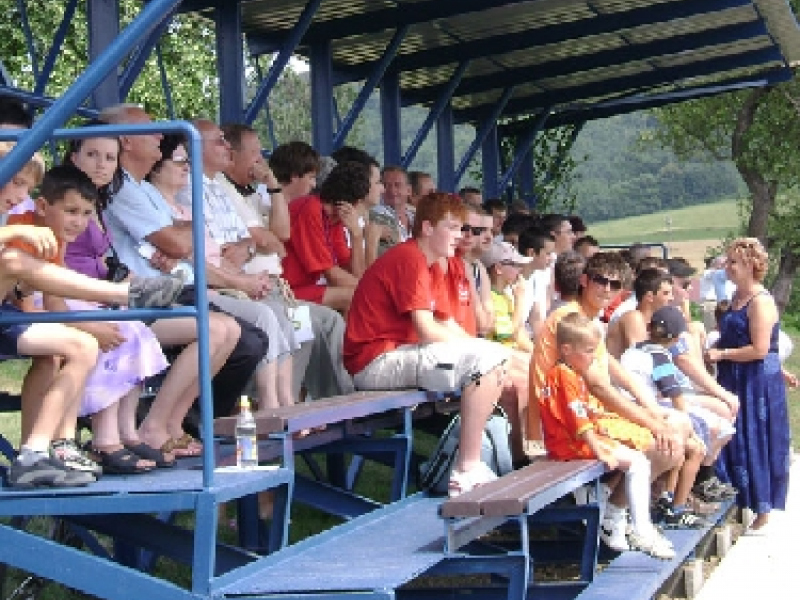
[261, 173]
[41, 238]
[255, 286]
[348, 215]
[609, 459]
[162, 262]
[108, 335]
[732, 400]
[714, 355]
[373, 232]
[790, 379]
[667, 439]
[518, 289]
[236, 252]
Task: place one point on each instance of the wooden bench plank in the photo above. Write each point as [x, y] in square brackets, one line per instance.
[317, 413]
[511, 494]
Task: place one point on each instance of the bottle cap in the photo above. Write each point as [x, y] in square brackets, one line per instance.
[244, 402]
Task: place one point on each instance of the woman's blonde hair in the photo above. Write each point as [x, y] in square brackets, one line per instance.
[751, 252]
[34, 167]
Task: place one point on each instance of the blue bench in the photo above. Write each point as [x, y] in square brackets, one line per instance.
[636, 576]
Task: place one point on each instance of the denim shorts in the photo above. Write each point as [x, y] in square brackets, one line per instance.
[10, 332]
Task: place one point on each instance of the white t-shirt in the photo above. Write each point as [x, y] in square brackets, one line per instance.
[625, 306]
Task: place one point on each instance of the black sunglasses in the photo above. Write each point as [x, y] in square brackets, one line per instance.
[473, 230]
[602, 281]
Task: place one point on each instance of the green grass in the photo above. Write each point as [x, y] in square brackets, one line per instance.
[699, 222]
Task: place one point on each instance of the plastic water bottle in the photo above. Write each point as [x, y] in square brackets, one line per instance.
[246, 443]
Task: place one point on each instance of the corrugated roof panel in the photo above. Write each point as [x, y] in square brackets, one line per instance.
[693, 56]
[676, 27]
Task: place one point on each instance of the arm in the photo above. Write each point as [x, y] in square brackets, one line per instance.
[338, 277]
[108, 335]
[696, 371]
[238, 252]
[521, 339]
[484, 307]
[41, 238]
[429, 329]
[255, 286]
[762, 315]
[600, 451]
[174, 241]
[622, 378]
[279, 208]
[266, 241]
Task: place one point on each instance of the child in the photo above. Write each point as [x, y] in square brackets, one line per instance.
[504, 265]
[62, 356]
[577, 426]
[130, 351]
[651, 362]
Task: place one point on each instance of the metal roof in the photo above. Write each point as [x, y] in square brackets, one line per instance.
[550, 54]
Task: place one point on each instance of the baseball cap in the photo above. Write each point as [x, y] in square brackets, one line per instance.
[678, 267]
[503, 252]
[667, 323]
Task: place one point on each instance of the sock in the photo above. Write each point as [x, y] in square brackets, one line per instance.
[637, 490]
[614, 513]
[28, 456]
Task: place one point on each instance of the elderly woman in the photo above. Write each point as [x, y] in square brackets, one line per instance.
[757, 459]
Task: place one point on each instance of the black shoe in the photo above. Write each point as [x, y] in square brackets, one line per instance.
[685, 519]
[46, 472]
[153, 292]
[712, 490]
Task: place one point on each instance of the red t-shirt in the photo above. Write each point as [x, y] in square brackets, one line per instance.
[28, 218]
[461, 307]
[379, 319]
[315, 245]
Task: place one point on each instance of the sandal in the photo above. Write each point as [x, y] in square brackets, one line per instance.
[120, 462]
[186, 446]
[146, 452]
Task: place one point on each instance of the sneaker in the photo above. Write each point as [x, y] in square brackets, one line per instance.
[702, 508]
[74, 458]
[153, 292]
[613, 534]
[654, 544]
[713, 490]
[45, 472]
[684, 519]
[462, 482]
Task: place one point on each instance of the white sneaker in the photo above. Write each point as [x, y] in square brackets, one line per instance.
[462, 482]
[612, 533]
[654, 544]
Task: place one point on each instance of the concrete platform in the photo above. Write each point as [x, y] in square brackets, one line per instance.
[763, 565]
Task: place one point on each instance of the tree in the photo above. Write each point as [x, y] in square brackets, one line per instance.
[758, 130]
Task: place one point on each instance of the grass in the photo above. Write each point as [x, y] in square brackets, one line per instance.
[712, 221]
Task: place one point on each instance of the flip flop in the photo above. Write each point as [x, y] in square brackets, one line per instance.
[186, 446]
[120, 462]
[146, 452]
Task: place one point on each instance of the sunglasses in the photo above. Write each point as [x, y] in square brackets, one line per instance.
[472, 230]
[602, 281]
[509, 263]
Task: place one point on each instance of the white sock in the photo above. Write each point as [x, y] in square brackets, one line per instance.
[637, 490]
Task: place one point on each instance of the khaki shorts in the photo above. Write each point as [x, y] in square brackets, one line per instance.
[437, 367]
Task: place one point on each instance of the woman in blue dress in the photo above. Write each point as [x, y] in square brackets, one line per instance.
[757, 459]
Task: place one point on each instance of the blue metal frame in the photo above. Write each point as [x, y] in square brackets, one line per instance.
[321, 98]
[29, 41]
[139, 58]
[445, 151]
[435, 112]
[490, 162]
[103, 22]
[482, 132]
[165, 87]
[523, 149]
[391, 115]
[369, 85]
[55, 49]
[287, 48]
[230, 61]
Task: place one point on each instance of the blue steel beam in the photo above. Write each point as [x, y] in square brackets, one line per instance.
[55, 49]
[287, 48]
[649, 79]
[42, 101]
[230, 61]
[95, 73]
[482, 132]
[322, 98]
[504, 42]
[375, 21]
[370, 84]
[103, 22]
[490, 162]
[391, 119]
[436, 110]
[524, 148]
[165, 86]
[445, 151]
[30, 44]
[5, 78]
[598, 60]
[140, 56]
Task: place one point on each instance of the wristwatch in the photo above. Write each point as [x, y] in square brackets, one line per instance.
[276, 190]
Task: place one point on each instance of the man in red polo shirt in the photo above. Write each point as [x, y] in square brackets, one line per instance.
[401, 333]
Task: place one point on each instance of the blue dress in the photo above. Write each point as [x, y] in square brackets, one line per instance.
[758, 457]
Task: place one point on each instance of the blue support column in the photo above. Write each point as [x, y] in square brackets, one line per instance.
[369, 85]
[139, 58]
[103, 22]
[445, 151]
[29, 42]
[165, 86]
[281, 60]
[490, 162]
[489, 122]
[524, 148]
[230, 61]
[436, 110]
[390, 119]
[321, 98]
[55, 49]
[527, 179]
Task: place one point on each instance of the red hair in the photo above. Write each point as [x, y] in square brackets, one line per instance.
[436, 206]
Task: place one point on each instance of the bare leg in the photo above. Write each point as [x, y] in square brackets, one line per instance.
[80, 353]
[338, 298]
[283, 384]
[37, 381]
[477, 403]
[106, 429]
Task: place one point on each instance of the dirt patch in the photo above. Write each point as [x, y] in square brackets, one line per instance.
[694, 251]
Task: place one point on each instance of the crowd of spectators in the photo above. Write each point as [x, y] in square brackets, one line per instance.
[329, 274]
